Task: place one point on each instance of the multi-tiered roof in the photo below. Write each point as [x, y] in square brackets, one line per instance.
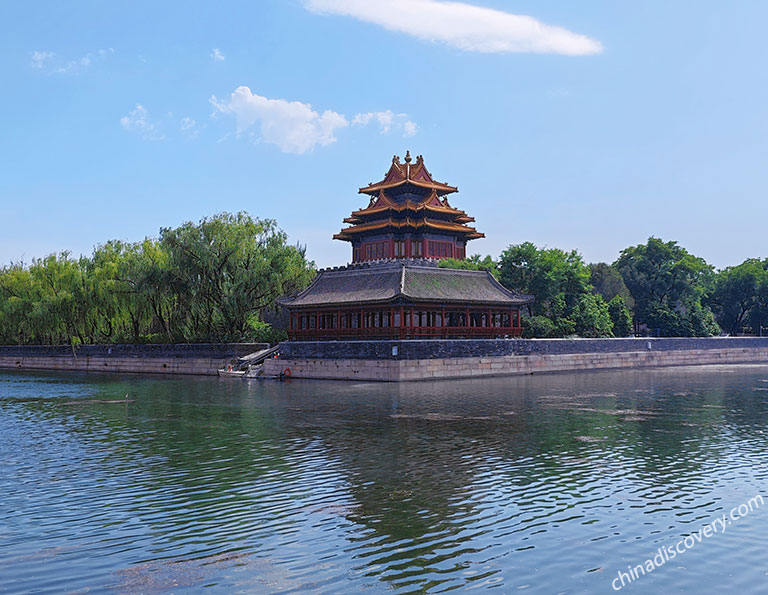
[394, 287]
[408, 201]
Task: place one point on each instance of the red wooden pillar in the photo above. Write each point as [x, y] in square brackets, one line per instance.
[444, 332]
[466, 322]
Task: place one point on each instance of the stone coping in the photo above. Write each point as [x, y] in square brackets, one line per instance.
[177, 350]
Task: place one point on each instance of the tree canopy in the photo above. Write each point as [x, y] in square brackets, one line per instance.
[739, 296]
[621, 317]
[608, 282]
[559, 281]
[206, 281]
[218, 280]
[668, 284]
[472, 263]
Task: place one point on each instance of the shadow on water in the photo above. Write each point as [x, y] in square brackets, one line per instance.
[551, 482]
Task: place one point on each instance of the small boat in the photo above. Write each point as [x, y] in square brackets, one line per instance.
[249, 366]
[228, 372]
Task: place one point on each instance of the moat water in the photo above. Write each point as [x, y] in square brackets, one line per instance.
[548, 484]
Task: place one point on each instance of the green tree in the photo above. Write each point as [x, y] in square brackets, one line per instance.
[228, 268]
[668, 284]
[591, 316]
[549, 274]
[559, 281]
[17, 301]
[736, 293]
[758, 316]
[210, 281]
[538, 327]
[620, 317]
[609, 283]
[472, 263]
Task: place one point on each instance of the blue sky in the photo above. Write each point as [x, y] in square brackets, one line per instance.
[591, 127]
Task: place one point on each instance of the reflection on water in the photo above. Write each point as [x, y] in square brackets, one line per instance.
[548, 483]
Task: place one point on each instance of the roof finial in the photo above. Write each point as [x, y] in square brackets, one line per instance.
[407, 156]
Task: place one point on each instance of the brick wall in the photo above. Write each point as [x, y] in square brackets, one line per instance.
[175, 350]
[459, 348]
[198, 359]
[394, 370]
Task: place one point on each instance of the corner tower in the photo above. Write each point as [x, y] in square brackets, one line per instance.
[395, 288]
[408, 216]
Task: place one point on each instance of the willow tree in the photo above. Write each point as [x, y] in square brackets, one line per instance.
[226, 270]
[130, 291]
[209, 281]
[45, 302]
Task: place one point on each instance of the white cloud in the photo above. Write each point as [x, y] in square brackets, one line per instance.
[467, 27]
[383, 118]
[138, 121]
[294, 126]
[387, 120]
[291, 125]
[39, 59]
[75, 65]
[50, 62]
[189, 127]
[217, 56]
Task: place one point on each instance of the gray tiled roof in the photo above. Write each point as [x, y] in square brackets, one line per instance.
[390, 280]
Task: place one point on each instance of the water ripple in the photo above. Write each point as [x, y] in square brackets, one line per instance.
[545, 484]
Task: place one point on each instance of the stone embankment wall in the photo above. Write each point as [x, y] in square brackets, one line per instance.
[200, 359]
[433, 359]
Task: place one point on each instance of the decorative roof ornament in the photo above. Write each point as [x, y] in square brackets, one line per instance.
[408, 174]
[409, 203]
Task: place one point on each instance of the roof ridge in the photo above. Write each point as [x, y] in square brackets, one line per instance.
[383, 282]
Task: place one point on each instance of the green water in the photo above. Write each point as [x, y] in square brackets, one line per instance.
[548, 484]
